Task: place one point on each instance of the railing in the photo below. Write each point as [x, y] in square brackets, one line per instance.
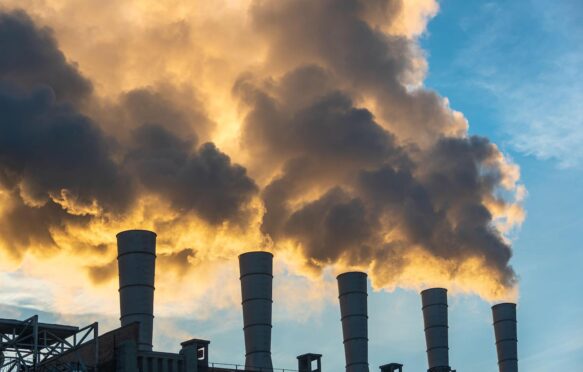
[239, 367]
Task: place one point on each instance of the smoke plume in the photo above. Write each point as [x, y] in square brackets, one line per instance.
[301, 127]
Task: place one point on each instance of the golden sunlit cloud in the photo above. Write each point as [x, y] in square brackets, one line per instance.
[298, 127]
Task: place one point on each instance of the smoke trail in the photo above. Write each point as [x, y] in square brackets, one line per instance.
[301, 123]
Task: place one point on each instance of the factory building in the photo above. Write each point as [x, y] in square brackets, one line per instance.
[28, 345]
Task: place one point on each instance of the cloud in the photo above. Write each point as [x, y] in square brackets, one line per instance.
[370, 63]
[364, 186]
[49, 148]
[204, 181]
[56, 165]
[30, 57]
[61, 169]
[301, 127]
[347, 192]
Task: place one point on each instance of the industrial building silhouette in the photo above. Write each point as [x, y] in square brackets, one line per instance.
[28, 345]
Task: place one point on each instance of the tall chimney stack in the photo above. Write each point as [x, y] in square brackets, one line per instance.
[434, 302]
[256, 270]
[352, 290]
[136, 261]
[505, 330]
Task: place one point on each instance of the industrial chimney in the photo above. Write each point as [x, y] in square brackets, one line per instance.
[256, 270]
[136, 261]
[434, 302]
[506, 336]
[352, 290]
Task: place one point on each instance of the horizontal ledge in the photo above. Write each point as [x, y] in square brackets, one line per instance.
[508, 360]
[436, 304]
[352, 292]
[357, 363]
[257, 324]
[136, 252]
[256, 299]
[136, 285]
[436, 326]
[354, 315]
[259, 351]
[354, 339]
[513, 320]
[130, 314]
[257, 273]
[437, 347]
[515, 339]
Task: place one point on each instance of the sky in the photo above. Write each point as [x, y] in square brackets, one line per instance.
[426, 143]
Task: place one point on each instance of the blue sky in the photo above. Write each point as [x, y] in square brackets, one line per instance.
[515, 70]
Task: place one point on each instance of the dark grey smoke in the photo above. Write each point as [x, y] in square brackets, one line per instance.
[355, 187]
[335, 226]
[321, 143]
[46, 146]
[202, 180]
[366, 61]
[60, 168]
[30, 57]
[341, 182]
[23, 227]
[178, 109]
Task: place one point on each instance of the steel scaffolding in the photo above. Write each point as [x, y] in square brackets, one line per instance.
[30, 346]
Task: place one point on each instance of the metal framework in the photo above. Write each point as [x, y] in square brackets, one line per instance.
[30, 346]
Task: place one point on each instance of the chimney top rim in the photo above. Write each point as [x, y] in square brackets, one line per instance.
[135, 231]
[433, 289]
[504, 304]
[351, 273]
[256, 252]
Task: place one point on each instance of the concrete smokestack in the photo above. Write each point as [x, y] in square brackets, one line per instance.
[434, 302]
[505, 330]
[256, 270]
[136, 259]
[352, 290]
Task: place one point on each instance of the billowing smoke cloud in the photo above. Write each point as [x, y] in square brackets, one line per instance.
[348, 191]
[30, 57]
[60, 167]
[368, 62]
[204, 181]
[346, 159]
[365, 185]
